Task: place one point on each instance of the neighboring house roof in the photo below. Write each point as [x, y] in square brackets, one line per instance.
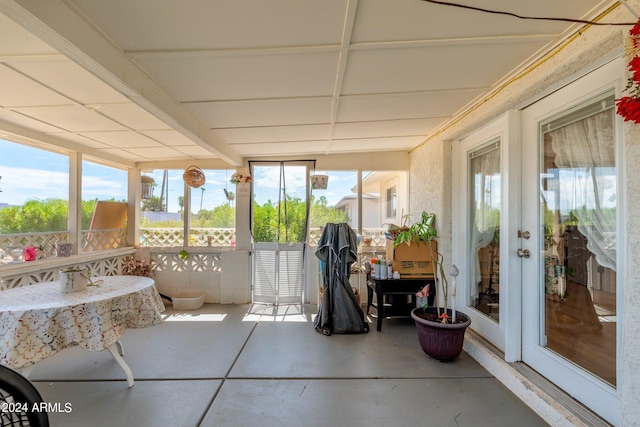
[351, 197]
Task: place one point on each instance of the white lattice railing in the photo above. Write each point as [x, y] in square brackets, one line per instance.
[165, 261]
[109, 266]
[99, 240]
[47, 241]
[169, 237]
[195, 262]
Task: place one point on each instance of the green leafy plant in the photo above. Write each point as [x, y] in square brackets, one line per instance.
[423, 232]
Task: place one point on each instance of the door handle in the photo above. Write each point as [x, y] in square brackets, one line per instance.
[524, 253]
[524, 234]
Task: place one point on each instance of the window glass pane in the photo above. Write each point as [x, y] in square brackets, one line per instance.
[391, 200]
[280, 203]
[484, 214]
[213, 211]
[35, 189]
[337, 203]
[104, 207]
[161, 220]
[34, 201]
[578, 183]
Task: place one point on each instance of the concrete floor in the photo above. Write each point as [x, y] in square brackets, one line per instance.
[243, 365]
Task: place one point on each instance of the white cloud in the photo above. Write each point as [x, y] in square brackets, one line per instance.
[22, 184]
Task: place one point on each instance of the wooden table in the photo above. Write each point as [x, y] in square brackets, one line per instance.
[37, 321]
[398, 287]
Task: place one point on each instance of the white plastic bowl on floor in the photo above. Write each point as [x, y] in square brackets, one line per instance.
[188, 300]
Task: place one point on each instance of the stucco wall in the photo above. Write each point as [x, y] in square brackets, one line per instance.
[630, 354]
[431, 166]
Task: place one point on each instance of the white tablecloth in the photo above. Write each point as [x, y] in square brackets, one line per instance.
[37, 321]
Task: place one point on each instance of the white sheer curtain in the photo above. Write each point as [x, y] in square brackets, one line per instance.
[585, 155]
[485, 172]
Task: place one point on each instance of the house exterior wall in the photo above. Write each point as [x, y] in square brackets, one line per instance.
[431, 191]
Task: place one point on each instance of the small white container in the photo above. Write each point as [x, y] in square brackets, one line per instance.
[188, 300]
[73, 280]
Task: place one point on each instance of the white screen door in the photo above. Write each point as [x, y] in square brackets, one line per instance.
[279, 227]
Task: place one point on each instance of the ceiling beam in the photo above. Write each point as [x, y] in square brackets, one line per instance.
[349, 21]
[57, 24]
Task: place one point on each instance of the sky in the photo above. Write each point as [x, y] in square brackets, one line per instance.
[33, 174]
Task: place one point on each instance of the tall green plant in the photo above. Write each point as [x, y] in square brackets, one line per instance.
[422, 232]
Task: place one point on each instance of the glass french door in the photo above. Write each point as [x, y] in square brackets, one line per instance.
[481, 190]
[280, 209]
[569, 249]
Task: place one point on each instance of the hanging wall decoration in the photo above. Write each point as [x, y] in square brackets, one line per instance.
[629, 106]
[238, 178]
[243, 184]
[319, 182]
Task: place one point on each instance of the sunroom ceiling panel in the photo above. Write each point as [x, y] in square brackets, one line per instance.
[17, 90]
[271, 112]
[195, 151]
[163, 153]
[71, 118]
[221, 24]
[70, 79]
[439, 104]
[170, 138]
[274, 134]
[402, 20]
[123, 154]
[132, 116]
[406, 127]
[282, 148]
[17, 41]
[80, 139]
[213, 77]
[26, 122]
[434, 67]
[123, 139]
[375, 144]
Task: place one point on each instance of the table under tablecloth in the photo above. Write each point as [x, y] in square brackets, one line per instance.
[37, 321]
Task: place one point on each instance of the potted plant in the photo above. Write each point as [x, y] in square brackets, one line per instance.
[133, 266]
[440, 329]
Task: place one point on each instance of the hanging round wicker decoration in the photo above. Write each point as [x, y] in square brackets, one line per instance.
[194, 177]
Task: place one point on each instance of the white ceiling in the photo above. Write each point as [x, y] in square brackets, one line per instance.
[143, 81]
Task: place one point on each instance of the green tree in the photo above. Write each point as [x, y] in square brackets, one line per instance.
[37, 216]
[265, 219]
[88, 207]
[322, 213]
[153, 204]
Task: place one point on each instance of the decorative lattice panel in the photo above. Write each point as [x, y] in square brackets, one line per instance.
[47, 241]
[171, 237]
[103, 267]
[96, 240]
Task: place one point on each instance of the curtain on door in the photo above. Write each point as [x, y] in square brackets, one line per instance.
[485, 215]
[585, 153]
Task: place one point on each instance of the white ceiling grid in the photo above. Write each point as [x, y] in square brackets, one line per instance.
[147, 81]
